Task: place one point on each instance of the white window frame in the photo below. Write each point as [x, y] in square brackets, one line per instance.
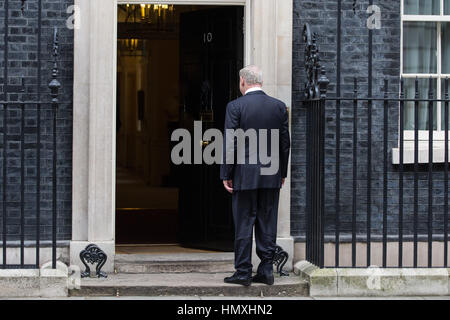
[439, 134]
[423, 134]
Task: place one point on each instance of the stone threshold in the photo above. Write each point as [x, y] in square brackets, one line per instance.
[173, 257]
[174, 263]
[373, 282]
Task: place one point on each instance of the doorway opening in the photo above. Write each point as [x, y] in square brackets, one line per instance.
[176, 64]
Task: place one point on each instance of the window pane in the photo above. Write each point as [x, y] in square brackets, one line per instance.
[446, 6]
[446, 47]
[423, 106]
[422, 6]
[443, 106]
[419, 47]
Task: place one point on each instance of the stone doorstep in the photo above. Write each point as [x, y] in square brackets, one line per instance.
[174, 263]
[373, 282]
[175, 257]
[33, 283]
[161, 267]
[187, 284]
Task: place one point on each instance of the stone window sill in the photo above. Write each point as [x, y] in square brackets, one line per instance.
[408, 154]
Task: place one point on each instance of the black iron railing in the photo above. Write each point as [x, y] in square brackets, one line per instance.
[315, 93]
[324, 223]
[28, 126]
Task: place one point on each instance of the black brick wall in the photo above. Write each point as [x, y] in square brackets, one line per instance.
[23, 62]
[322, 16]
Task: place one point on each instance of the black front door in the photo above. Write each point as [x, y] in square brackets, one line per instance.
[211, 55]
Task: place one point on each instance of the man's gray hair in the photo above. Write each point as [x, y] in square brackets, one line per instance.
[252, 75]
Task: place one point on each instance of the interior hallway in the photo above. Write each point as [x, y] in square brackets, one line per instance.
[144, 214]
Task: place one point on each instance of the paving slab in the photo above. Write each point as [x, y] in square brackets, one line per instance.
[213, 298]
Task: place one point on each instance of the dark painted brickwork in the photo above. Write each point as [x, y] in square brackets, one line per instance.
[23, 61]
[322, 14]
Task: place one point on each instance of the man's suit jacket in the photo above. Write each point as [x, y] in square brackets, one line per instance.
[256, 110]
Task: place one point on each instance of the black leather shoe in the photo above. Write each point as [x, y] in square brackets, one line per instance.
[237, 279]
[263, 279]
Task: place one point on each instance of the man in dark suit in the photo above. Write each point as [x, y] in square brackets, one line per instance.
[255, 194]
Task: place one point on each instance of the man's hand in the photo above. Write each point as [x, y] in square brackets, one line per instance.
[282, 182]
[228, 184]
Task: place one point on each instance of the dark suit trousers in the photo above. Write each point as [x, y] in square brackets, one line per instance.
[258, 208]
